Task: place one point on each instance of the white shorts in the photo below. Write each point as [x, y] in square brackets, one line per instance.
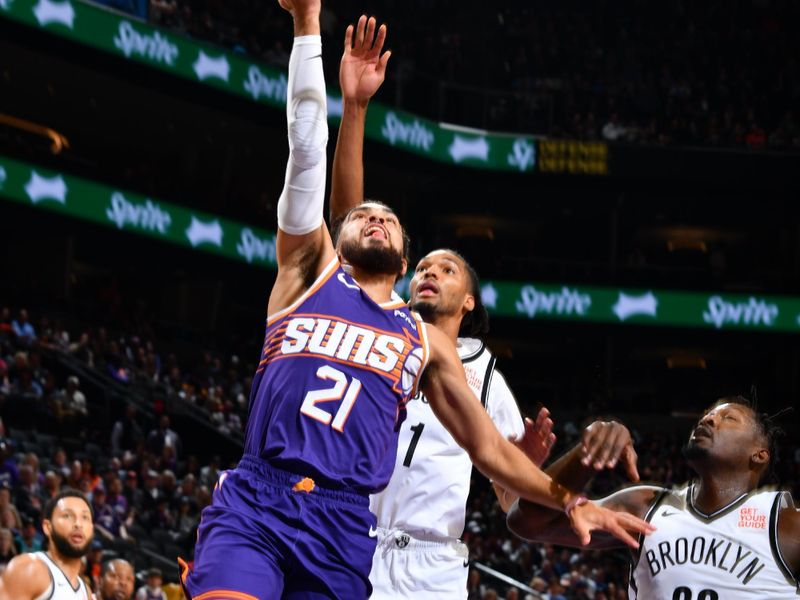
[418, 567]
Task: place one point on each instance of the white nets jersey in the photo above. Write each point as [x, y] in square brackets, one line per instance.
[731, 554]
[60, 586]
[427, 493]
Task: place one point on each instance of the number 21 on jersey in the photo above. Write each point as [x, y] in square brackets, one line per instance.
[341, 388]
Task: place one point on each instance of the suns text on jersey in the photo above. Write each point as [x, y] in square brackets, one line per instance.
[339, 340]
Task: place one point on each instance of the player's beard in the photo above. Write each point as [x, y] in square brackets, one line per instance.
[65, 547]
[427, 310]
[693, 452]
[372, 259]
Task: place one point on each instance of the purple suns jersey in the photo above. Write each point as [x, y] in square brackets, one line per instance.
[330, 390]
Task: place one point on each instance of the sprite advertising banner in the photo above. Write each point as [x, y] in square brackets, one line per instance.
[127, 211]
[135, 40]
[124, 210]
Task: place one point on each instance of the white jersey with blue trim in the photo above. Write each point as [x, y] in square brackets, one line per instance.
[731, 554]
[427, 494]
[61, 587]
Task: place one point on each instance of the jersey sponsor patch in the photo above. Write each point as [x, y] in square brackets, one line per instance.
[752, 518]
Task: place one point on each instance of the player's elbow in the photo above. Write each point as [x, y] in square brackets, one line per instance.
[526, 520]
[308, 132]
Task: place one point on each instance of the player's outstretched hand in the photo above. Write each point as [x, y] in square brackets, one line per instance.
[588, 516]
[605, 443]
[538, 438]
[301, 7]
[363, 67]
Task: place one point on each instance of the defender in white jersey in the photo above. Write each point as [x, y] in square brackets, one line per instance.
[54, 575]
[717, 538]
[421, 514]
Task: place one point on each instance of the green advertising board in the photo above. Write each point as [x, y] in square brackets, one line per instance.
[127, 211]
[141, 42]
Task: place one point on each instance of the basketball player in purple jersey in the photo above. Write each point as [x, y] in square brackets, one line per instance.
[340, 360]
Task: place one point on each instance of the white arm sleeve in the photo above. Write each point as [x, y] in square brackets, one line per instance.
[301, 202]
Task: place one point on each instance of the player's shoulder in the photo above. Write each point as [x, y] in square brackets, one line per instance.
[470, 349]
[26, 575]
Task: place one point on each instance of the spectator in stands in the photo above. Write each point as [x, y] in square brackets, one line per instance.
[210, 472]
[131, 490]
[116, 580]
[75, 399]
[7, 548]
[186, 521]
[6, 330]
[29, 539]
[94, 563]
[9, 474]
[6, 504]
[59, 463]
[5, 382]
[106, 520]
[82, 349]
[164, 436]
[126, 433]
[75, 475]
[151, 590]
[28, 494]
[50, 486]
[26, 385]
[23, 329]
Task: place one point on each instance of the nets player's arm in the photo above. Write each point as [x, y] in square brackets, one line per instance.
[361, 73]
[789, 539]
[25, 578]
[603, 444]
[303, 244]
[541, 524]
[453, 402]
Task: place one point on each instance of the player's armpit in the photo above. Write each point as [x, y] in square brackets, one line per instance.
[789, 538]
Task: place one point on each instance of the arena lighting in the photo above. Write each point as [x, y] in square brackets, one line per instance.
[687, 244]
[59, 142]
[686, 362]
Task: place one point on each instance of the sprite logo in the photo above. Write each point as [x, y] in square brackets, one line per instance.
[153, 47]
[413, 134]
[251, 247]
[147, 216]
[48, 12]
[3, 176]
[202, 232]
[40, 188]
[753, 312]
[463, 148]
[259, 84]
[206, 67]
[562, 303]
[628, 306]
[522, 155]
[489, 295]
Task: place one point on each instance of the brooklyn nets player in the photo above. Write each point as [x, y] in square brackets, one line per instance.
[719, 537]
